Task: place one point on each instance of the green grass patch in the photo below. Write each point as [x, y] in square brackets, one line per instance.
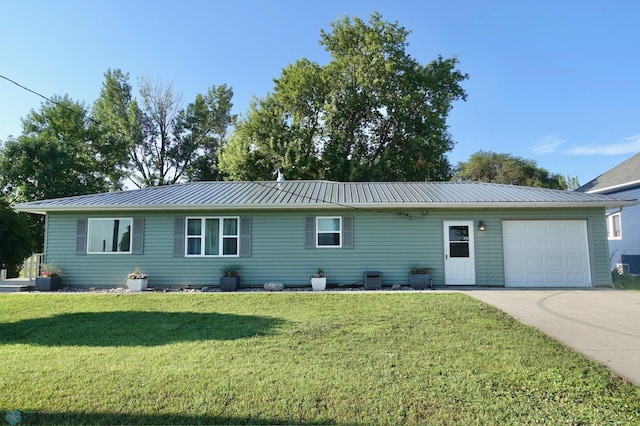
[292, 358]
[625, 282]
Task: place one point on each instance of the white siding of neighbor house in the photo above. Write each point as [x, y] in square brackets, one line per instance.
[630, 226]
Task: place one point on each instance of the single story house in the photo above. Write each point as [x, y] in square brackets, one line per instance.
[623, 222]
[466, 233]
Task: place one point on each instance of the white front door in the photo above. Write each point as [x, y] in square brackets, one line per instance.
[459, 253]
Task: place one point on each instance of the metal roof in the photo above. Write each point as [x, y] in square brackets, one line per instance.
[625, 175]
[322, 195]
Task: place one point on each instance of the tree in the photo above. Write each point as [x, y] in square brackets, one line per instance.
[120, 119]
[372, 113]
[204, 124]
[163, 142]
[17, 243]
[387, 113]
[58, 154]
[486, 166]
[571, 183]
[282, 130]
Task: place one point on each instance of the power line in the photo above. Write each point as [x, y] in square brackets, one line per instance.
[26, 88]
[60, 104]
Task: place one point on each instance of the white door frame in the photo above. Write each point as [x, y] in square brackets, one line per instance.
[459, 253]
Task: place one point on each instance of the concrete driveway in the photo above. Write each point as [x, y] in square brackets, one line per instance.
[602, 324]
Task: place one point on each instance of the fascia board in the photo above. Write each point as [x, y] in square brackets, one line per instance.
[325, 206]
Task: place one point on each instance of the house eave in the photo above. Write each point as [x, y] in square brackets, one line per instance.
[615, 188]
[326, 206]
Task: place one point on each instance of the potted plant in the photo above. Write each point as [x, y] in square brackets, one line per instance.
[230, 279]
[137, 280]
[49, 279]
[319, 280]
[419, 278]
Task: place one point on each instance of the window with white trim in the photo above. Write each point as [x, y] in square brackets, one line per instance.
[109, 235]
[212, 236]
[329, 232]
[614, 226]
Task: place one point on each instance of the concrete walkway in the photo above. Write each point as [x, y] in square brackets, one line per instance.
[602, 324]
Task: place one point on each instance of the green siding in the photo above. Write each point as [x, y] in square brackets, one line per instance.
[386, 242]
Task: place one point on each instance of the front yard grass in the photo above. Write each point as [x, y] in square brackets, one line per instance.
[301, 358]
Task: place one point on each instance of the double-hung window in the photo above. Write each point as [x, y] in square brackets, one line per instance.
[109, 235]
[212, 236]
[614, 228]
[329, 232]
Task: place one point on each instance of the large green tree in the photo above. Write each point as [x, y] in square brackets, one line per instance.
[17, 243]
[487, 166]
[284, 129]
[162, 142]
[120, 119]
[59, 153]
[372, 113]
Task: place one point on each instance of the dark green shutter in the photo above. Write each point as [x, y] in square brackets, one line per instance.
[347, 231]
[137, 241]
[310, 232]
[245, 236]
[178, 237]
[81, 237]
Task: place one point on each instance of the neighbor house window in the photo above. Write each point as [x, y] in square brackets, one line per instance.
[109, 236]
[212, 236]
[614, 229]
[329, 231]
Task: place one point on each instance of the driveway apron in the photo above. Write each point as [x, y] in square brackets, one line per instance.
[602, 324]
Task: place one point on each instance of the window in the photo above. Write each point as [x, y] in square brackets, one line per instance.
[614, 229]
[329, 232]
[459, 241]
[109, 236]
[212, 236]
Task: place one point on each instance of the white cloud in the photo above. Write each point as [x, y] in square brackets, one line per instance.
[630, 145]
[548, 144]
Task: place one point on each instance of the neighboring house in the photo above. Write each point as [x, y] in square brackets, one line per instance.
[466, 233]
[623, 223]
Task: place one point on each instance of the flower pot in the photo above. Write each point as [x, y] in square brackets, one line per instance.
[420, 281]
[319, 284]
[229, 283]
[136, 285]
[48, 283]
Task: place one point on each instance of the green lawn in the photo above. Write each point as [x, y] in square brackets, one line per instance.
[302, 358]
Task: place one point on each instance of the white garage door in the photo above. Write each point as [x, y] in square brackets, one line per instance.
[546, 253]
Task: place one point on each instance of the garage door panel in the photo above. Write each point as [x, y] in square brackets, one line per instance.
[533, 244]
[554, 245]
[576, 278]
[534, 277]
[574, 245]
[533, 262]
[575, 262]
[556, 279]
[546, 253]
[555, 262]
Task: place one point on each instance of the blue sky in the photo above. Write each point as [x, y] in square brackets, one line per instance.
[553, 81]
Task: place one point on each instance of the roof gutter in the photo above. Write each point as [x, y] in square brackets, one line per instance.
[325, 206]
